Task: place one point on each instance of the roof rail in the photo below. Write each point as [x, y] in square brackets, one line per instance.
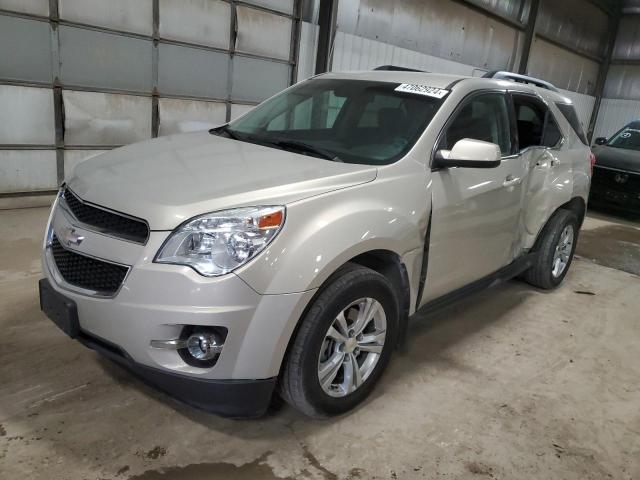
[516, 77]
[395, 68]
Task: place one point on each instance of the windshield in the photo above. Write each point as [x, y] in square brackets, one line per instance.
[628, 138]
[352, 121]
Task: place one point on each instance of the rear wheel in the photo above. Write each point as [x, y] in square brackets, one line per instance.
[555, 251]
[342, 345]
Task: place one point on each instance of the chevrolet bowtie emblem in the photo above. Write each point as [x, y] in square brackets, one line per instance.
[70, 237]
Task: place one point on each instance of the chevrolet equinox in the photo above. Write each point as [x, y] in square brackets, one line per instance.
[285, 251]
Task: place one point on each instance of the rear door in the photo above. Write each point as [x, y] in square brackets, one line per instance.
[547, 174]
[475, 211]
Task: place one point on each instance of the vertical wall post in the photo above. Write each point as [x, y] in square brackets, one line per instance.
[155, 56]
[327, 24]
[294, 50]
[233, 36]
[614, 22]
[529, 35]
[58, 106]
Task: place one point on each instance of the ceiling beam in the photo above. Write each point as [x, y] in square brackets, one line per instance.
[610, 7]
[494, 16]
[626, 61]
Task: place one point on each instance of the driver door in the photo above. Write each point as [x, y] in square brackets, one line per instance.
[475, 211]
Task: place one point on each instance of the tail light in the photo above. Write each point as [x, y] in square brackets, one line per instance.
[592, 162]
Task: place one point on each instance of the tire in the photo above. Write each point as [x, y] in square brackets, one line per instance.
[311, 349]
[543, 274]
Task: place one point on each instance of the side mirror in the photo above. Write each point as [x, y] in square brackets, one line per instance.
[468, 153]
[601, 140]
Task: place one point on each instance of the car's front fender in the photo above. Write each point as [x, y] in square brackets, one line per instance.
[324, 232]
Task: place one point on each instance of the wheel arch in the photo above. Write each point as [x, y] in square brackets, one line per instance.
[385, 262]
[390, 265]
[577, 205]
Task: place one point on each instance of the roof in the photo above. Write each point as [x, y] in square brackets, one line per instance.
[432, 79]
[440, 80]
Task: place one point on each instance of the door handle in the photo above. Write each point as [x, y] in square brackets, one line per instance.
[549, 159]
[511, 181]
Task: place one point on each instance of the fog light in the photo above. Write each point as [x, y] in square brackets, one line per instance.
[204, 346]
[198, 346]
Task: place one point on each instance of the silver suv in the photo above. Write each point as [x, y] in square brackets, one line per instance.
[286, 250]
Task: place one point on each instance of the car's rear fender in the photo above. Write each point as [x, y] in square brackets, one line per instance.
[551, 186]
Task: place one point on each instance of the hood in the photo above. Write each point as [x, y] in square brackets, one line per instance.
[170, 179]
[619, 158]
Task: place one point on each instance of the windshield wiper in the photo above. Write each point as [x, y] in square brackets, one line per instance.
[305, 147]
[225, 129]
[285, 144]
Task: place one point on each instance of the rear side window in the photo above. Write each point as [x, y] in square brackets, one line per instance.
[535, 123]
[530, 121]
[551, 133]
[572, 117]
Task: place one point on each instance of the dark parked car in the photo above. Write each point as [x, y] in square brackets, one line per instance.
[616, 173]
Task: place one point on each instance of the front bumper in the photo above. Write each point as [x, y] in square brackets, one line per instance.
[235, 398]
[156, 302]
[223, 397]
[618, 200]
[615, 189]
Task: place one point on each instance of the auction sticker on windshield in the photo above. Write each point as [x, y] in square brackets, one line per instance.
[421, 90]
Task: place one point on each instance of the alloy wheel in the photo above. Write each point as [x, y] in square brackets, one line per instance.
[563, 251]
[352, 347]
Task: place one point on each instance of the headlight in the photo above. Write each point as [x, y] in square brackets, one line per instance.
[217, 243]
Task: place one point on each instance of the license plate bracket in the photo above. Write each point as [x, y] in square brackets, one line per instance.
[61, 310]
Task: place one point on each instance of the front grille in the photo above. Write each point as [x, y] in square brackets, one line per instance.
[86, 272]
[104, 221]
[606, 178]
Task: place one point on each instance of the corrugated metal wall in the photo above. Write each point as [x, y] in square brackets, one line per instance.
[631, 7]
[352, 52]
[562, 67]
[437, 28]
[447, 36]
[614, 114]
[308, 50]
[570, 42]
[575, 23]
[583, 104]
[196, 63]
[621, 102]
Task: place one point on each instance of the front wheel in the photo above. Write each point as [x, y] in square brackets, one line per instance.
[555, 251]
[342, 345]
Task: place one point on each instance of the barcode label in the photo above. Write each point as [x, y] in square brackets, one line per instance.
[422, 90]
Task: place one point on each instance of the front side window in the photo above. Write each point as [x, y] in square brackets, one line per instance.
[627, 138]
[353, 121]
[483, 117]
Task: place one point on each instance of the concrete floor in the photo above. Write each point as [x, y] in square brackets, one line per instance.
[513, 383]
